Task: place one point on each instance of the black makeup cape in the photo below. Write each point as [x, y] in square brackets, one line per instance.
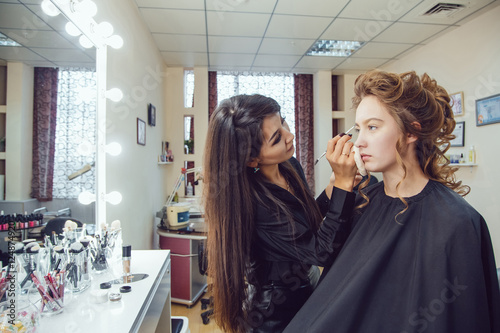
[434, 271]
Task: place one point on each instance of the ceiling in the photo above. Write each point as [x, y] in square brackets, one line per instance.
[248, 35]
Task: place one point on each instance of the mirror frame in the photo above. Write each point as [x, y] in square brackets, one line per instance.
[87, 26]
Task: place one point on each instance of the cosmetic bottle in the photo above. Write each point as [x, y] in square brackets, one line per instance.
[189, 190]
[126, 257]
[472, 155]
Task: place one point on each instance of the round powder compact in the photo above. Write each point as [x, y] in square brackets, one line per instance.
[105, 285]
[115, 297]
[125, 289]
[98, 296]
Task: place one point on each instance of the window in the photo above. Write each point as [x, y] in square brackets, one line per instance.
[75, 132]
[188, 88]
[279, 86]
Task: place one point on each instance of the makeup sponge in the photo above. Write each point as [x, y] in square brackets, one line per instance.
[359, 161]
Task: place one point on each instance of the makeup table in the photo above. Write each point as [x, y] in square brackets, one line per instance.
[144, 309]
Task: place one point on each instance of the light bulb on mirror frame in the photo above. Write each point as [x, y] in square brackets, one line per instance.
[115, 41]
[105, 29]
[113, 149]
[86, 94]
[85, 42]
[86, 198]
[72, 29]
[114, 94]
[87, 7]
[114, 197]
[85, 148]
[49, 8]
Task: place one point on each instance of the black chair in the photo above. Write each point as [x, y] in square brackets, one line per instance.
[57, 224]
[202, 267]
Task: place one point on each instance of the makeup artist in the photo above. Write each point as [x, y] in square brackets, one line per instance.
[265, 228]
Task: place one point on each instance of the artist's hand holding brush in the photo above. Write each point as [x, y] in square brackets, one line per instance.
[341, 158]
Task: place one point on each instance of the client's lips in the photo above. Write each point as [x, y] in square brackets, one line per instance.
[364, 157]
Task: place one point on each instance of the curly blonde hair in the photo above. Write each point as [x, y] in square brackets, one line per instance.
[409, 98]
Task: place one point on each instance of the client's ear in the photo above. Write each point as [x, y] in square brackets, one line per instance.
[254, 162]
[411, 137]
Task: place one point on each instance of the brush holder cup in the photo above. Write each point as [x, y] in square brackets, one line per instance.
[78, 272]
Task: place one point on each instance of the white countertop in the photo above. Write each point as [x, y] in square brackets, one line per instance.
[82, 315]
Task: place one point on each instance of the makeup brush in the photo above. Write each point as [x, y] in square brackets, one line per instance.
[322, 155]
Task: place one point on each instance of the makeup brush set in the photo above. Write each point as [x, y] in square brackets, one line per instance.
[66, 260]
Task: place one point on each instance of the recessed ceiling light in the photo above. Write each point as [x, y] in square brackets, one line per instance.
[334, 48]
[6, 41]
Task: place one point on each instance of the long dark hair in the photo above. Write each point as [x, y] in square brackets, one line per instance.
[230, 190]
[410, 98]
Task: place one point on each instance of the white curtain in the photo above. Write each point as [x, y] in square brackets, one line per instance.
[279, 86]
[75, 132]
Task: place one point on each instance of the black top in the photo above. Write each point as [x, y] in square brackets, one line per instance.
[431, 271]
[279, 243]
[280, 272]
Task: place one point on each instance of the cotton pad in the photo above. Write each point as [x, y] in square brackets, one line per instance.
[359, 161]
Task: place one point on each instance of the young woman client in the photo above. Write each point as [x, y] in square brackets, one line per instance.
[419, 257]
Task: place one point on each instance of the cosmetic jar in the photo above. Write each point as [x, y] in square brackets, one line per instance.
[125, 289]
[105, 285]
[99, 296]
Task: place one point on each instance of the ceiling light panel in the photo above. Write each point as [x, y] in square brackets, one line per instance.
[334, 48]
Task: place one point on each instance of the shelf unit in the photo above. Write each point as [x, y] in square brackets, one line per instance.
[3, 108]
[463, 164]
[3, 125]
[3, 115]
[163, 163]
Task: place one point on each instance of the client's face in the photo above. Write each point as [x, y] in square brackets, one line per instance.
[378, 135]
[277, 146]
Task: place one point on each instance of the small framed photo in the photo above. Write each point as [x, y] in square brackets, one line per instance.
[459, 133]
[488, 110]
[457, 103]
[151, 115]
[141, 132]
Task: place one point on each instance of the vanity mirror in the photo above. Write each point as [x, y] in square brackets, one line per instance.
[91, 34]
[38, 54]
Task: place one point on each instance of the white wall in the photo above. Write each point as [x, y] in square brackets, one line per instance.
[138, 70]
[322, 126]
[174, 122]
[19, 131]
[467, 59]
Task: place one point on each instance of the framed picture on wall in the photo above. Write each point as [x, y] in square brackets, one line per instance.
[151, 115]
[459, 133]
[141, 132]
[488, 110]
[457, 103]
